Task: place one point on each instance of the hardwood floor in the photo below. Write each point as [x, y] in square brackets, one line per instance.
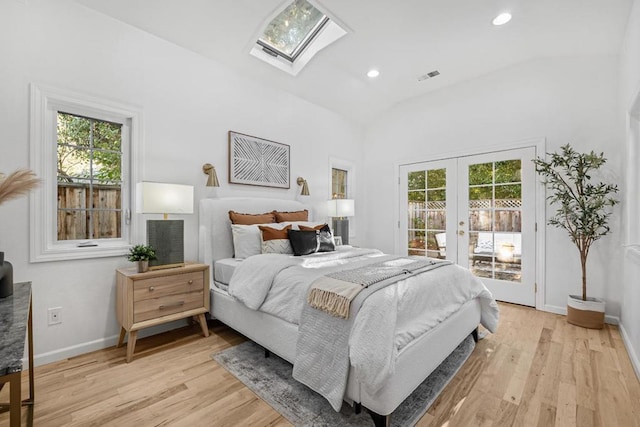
[536, 371]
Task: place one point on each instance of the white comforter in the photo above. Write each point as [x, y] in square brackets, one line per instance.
[278, 284]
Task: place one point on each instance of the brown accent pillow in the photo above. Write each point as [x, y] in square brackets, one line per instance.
[306, 228]
[292, 216]
[251, 219]
[269, 233]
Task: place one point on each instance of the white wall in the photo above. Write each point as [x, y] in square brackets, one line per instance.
[629, 91]
[561, 99]
[188, 102]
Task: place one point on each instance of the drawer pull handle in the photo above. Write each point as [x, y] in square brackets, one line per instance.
[151, 289]
[191, 282]
[174, 305]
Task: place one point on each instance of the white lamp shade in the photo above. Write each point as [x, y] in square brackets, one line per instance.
[341, 207]
[163, 198]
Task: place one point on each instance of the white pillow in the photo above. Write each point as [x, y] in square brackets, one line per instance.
[247, 238]
[277, 242]
[277, 246]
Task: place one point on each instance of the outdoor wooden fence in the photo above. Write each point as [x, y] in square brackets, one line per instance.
[432, 216]
[79, 209]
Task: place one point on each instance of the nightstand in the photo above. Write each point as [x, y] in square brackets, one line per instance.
[160, 296]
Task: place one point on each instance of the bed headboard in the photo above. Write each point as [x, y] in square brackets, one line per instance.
[214, 236]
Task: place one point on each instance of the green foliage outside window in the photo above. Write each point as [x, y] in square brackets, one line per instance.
[504, 175]
[88, 148]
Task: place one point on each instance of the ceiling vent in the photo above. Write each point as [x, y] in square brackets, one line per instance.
[430, 75]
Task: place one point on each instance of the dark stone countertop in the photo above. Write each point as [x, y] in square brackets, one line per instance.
[14, 313]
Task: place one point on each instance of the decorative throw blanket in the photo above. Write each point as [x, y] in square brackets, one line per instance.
[389, 320]
[334, 292]
[322, 350]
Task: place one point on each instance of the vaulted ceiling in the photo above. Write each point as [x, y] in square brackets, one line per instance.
[403, 39]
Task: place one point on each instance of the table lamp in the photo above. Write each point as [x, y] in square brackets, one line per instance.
[339, 210]
[165, 236]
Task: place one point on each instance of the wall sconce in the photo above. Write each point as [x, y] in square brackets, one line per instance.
[305, 187]
[210, 171]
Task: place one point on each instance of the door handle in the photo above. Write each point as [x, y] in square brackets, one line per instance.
[461, 233]
[461, 223]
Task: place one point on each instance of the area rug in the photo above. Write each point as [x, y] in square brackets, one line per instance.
[270, 378]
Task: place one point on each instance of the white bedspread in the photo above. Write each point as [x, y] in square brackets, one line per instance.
[388, 320]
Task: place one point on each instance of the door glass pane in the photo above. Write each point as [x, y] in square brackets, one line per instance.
[437, 178]
[508, 171]
[508, 192]
[436, 195]
[483, 194]
[481, 173]
[436, 244]
[495, 222]
[417, 180]
[416, 196]
[416, 242]
[427, 218]
[480, 220]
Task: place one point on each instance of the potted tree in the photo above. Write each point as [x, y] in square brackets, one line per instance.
[583, 211]
[141, 254]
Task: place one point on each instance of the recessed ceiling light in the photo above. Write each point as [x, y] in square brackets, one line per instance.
[502, 19]
[373, 73]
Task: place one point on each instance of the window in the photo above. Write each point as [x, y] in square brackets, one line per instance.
[89, 178]
[82, 149]
[342, 184]
[295, 35]
[338, 183]
[290, 32]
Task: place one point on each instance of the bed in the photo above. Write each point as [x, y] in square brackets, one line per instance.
[412, 364]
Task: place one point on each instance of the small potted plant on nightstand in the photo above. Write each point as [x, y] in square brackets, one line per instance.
[583, 211]
[141, 254]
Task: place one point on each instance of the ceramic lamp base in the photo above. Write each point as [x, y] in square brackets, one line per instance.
[166, 237]
[6, 277]
[341, 228]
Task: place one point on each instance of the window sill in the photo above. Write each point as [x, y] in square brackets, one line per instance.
[72, 253]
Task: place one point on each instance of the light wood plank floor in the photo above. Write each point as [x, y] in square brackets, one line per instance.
[536, 371]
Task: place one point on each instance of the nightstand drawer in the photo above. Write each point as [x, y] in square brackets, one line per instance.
[163, 306]
[168, 285]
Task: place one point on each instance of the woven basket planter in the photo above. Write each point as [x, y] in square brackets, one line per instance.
[588, 314]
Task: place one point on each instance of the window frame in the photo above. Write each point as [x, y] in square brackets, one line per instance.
[46, 102]
[329, 32]
[308, 39]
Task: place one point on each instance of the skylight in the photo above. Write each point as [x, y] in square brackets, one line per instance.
[295, 35]
[290, 32]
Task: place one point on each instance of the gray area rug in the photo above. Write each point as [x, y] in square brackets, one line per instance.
[270, 378]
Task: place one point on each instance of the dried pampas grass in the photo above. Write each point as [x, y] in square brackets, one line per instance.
[17, 184]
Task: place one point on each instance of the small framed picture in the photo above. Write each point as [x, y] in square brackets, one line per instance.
[338, 240]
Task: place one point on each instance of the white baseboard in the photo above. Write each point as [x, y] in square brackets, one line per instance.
[612, 320]
[633, 356]
[99, 344]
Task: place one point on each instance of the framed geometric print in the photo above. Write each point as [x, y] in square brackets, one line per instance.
[257, 161]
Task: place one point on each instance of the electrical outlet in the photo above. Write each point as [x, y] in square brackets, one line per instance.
[55, 315]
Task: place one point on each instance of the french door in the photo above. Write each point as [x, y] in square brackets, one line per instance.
[479, 212]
